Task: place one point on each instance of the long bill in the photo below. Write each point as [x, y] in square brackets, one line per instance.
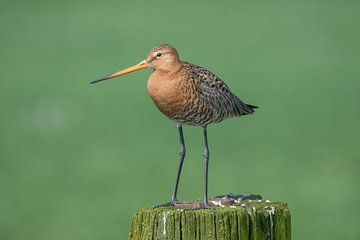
[141, 65]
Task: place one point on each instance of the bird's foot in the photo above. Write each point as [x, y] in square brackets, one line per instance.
[167, 204]
[193, 205]
[207, 206]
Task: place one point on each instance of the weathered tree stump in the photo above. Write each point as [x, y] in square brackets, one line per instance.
[242, 219]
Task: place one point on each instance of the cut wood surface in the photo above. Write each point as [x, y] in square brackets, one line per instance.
[245, 220]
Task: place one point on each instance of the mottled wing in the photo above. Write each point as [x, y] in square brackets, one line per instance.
[218, 96]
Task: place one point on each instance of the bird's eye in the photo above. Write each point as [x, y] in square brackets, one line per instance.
[158, 54]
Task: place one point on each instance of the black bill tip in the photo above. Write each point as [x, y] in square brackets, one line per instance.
[100, 79]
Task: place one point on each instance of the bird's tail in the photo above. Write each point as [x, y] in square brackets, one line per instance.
[243, 108]
[249, 109]
[252, 106]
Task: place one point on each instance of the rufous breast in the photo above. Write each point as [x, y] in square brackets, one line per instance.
[164, 90]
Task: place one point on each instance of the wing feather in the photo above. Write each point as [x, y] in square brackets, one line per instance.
[218, 95]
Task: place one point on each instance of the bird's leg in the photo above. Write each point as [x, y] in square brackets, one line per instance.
[182, 152]
[181, 161]
[206, 159]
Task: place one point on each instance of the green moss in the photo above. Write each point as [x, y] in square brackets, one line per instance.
[247, 220]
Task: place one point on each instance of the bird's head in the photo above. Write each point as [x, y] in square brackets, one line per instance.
[163, 57]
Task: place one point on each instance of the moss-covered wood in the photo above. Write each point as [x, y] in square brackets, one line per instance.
[245, 220]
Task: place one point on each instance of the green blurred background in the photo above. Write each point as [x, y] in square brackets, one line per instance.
[77, 160]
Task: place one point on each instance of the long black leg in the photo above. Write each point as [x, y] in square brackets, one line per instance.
[206, 159]
[181, 161]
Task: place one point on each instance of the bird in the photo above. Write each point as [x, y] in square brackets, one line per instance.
[189, 95]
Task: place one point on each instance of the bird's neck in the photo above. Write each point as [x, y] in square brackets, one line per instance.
[170, 68]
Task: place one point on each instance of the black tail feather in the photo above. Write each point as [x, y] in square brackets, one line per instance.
[252, 106]
[249, 109]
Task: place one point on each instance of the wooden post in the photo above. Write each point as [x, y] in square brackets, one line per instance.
[244, 220]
